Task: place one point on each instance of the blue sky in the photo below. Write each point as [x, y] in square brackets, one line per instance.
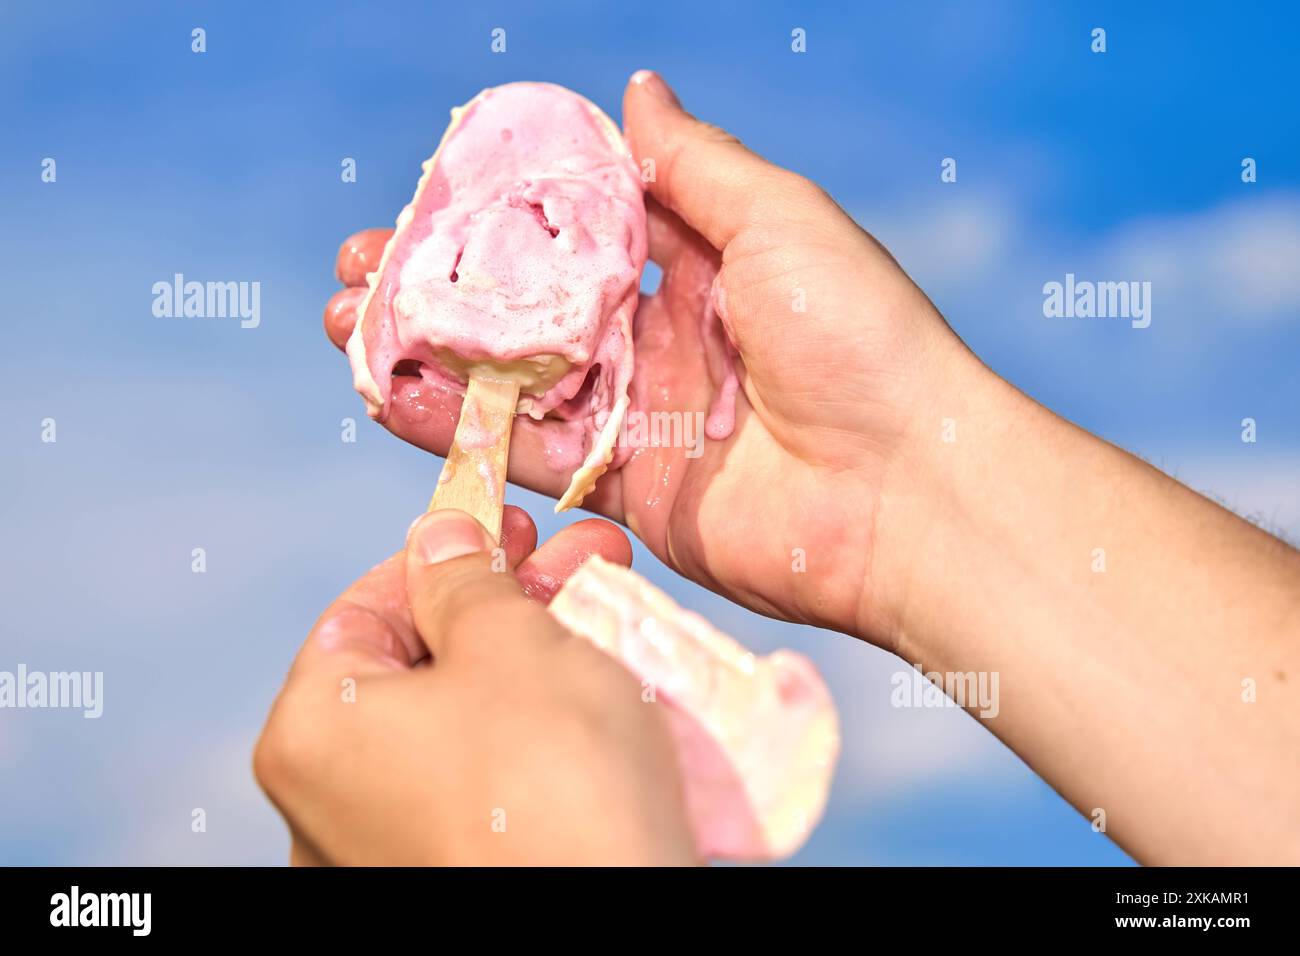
[183, 433]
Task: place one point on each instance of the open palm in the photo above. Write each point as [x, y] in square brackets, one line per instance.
[780, 516]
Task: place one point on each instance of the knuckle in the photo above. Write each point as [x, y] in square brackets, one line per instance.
[495, 622]
[476, 615]
[684, 148]
[803, 190]
[288, 748]
[715, 134]
[449, 591]
[268, 759]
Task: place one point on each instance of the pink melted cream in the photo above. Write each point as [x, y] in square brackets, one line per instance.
[526, 237]
[756, 738]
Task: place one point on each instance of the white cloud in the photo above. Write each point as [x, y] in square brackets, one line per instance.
[241, 826]
[886, 751]
[890, 751]
[954, 240]
[1260, 486]
[1216, 271]
[1237, 264]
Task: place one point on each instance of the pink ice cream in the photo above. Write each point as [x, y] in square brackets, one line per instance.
[519, 256]
[756, 738]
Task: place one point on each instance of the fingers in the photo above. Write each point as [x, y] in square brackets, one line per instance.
[672, 242]
[544, 572]
[359, 254]
[369, 629]
[518, 535]
[668, 236]
[341, 314]
[465, 609]
[702, 173]
[366, 630]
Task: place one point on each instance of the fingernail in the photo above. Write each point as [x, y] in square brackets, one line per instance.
[654, 85]
[443, 535]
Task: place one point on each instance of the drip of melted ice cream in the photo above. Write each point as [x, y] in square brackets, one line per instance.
[519, 257]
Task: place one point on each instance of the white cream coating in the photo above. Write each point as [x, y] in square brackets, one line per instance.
[772, 717]
[539, 373]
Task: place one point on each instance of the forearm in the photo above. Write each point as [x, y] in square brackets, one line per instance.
[1124, 615]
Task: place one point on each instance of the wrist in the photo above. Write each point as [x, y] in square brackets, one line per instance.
[944, 501]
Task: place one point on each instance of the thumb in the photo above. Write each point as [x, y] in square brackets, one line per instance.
[705, 174]
[465, 603]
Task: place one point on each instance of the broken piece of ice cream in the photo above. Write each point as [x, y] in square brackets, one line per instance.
[518, 258]
[756, 737]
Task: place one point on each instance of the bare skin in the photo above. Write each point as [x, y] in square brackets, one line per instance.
[522, 744]
[1160, 690]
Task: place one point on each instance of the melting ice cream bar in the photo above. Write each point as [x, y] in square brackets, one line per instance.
[518, 259]
[757, 738]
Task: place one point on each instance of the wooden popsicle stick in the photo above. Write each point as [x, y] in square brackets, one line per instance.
[473, 479]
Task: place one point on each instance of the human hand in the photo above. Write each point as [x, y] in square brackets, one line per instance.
[974, 555]
[521, 744]
[843, 364]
